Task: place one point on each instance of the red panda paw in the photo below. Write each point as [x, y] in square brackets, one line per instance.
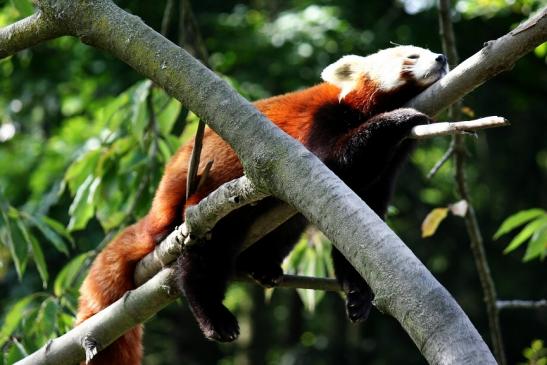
[220, 325]
[358, 302]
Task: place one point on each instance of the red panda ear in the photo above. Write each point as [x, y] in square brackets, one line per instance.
[344, 73]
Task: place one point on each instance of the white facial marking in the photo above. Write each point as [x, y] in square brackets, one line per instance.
[390, 68]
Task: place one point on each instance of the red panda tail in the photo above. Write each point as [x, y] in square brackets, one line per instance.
[110, 276]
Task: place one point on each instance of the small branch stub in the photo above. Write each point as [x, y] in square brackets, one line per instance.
[91, 348]
[449, 128]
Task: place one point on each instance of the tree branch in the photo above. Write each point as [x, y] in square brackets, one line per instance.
[521, 304]
[496, 56]
[27, 33]
[450, 128]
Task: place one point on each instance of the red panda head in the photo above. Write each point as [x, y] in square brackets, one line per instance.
[387, 70]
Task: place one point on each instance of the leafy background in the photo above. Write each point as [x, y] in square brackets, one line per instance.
[83, 139]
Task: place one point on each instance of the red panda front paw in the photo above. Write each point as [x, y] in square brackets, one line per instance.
[220, 325]
[408, 118]
[358, 301]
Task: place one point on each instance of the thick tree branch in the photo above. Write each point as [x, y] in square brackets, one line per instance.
[496, 56]
[275, 163]
[28, 32]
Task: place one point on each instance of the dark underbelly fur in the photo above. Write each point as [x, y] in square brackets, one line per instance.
[368, 162]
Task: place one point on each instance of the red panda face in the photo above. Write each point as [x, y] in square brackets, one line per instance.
[388, 69]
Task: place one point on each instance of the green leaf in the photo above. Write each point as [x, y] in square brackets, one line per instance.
[516, 220]
[18, 247]
[48, 233]
[13, 318]
[138, 109]
[526, 233]
[292, 263]
[165, 150]
[69, 274]
[47, 317]
[37, 252]
[65, 322]
[167, 117]
[13, 354]
[537, 247]
[312, 265]
[81, 169]
[82, 208]
[24, 7]
[39, 260]
[57, 227]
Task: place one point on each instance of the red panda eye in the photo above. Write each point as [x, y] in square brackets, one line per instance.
[414, 56]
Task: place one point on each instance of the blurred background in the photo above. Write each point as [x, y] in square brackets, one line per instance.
[80, 159]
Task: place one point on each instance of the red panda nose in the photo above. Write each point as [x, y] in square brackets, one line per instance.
[441, 59]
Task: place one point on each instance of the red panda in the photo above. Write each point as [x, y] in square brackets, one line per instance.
[351, 122]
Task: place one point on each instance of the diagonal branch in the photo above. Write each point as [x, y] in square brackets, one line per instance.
[495, 57]
[27, 33]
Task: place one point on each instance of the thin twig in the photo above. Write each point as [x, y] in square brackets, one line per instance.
[521, 304]
[447, 155]
[191, 179]
[473, 230]
[450, 128]
[191, 39]
[167, 15]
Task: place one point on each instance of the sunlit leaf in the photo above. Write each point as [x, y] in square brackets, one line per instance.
[81, 210]
[13, 317]
[516, 220]
[138, 109]
[165, 150]
[537, 247]
[167, 117]
[432, 221]
[57, 227]
[24, 7]
[37, 253]
[526, 233]
[18, 247]
[47, 316]
[13, 354]
[65, 322]
[81, 169]
[68, 275]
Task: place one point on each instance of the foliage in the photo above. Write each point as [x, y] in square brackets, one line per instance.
[536, 354]
[310, 257]
[535, 232]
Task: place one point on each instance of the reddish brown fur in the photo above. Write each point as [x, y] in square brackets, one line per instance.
[111, 274]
